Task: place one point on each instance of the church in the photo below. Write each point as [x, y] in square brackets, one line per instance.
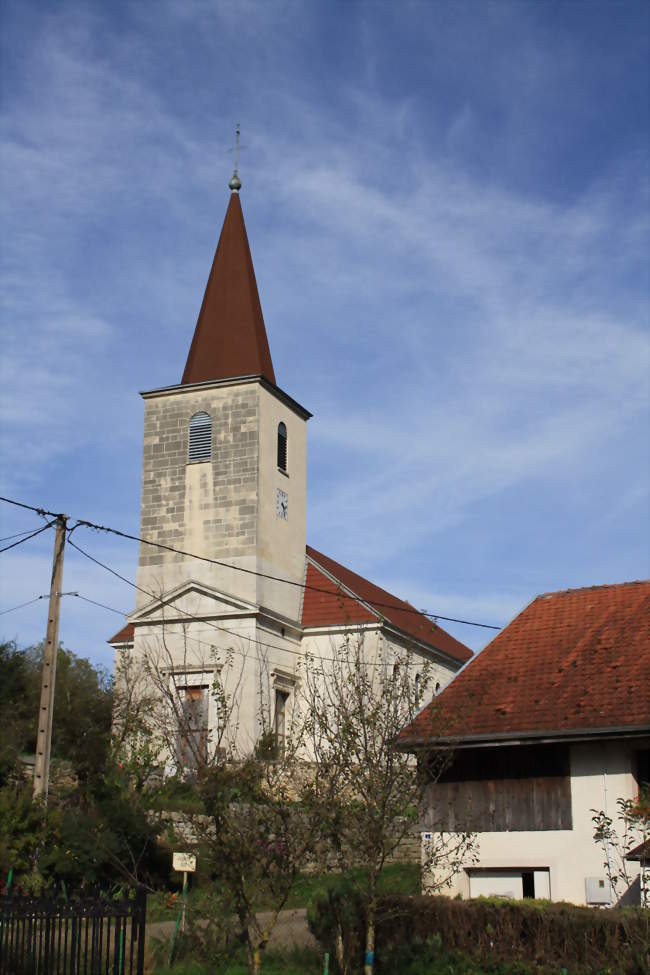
[225, 578]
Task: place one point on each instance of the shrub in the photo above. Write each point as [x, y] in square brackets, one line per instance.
[498, 932]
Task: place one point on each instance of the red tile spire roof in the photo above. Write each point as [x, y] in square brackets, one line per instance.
[230, 337]
[571, 661]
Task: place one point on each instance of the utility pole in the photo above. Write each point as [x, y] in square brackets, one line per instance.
[46, 709]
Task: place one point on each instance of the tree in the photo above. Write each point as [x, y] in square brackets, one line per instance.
[617, 838]
[98, 825]
[18, 707]
[243, 811]
[367, 791]
[82, 710]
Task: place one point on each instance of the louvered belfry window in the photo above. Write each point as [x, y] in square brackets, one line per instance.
[282, 447]
[200, 447]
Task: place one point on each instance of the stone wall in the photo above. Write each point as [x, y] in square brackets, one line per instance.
[225, 504]
[183, 826]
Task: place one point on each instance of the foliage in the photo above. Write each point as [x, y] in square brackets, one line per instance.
[19, 689]
[290, 961]
[97, 826]
[256, 838]
[82, 705]
[243, 811]
[618, 838]
[108, 838]
[367, 791]
[504, 935]
[398, 878]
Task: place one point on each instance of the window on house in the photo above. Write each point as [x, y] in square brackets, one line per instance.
[192, 737]
[282, 447]
[280, 722]
[418, 680]
[200, 439]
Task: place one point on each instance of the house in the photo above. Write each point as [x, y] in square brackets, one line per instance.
[227, 586]
[548, 724]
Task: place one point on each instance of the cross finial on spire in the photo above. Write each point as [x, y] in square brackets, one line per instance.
[235, 182]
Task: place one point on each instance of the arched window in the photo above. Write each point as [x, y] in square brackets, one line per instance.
[200, 442]
[282, 447]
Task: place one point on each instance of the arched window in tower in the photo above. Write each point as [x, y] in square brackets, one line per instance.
[200, 440]
[282, 447]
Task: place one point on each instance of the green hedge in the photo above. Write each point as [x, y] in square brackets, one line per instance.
[538, 935]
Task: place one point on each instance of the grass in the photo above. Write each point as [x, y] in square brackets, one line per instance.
[398, 878]
[297, 961]
[423, 960]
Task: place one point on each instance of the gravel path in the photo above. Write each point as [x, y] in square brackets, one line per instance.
[291, 929]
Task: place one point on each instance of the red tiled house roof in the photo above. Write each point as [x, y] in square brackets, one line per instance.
[573, 661]
[360, 601]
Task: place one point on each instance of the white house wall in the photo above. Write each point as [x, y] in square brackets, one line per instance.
[601, 773]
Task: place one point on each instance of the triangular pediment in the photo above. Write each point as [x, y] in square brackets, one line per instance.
[193, 599]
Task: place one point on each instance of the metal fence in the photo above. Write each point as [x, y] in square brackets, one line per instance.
[90, 935]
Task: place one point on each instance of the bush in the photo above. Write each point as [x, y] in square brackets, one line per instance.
[497, 932]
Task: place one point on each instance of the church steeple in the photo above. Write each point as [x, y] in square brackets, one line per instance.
[230, 337]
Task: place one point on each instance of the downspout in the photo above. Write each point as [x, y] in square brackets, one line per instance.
[609, 865]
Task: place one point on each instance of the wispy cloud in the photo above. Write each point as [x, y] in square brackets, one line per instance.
[451, 264]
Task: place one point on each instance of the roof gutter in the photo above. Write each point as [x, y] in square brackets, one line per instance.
[497, 739]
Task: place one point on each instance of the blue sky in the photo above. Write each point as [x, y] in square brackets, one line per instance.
[447, 210]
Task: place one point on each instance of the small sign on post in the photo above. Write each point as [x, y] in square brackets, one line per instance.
[185, 863]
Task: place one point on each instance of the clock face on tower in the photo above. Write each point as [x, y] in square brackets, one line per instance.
[282, 504]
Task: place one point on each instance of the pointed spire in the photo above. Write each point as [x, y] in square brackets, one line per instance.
[230, 337]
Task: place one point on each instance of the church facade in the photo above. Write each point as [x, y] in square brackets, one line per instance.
[226, 581]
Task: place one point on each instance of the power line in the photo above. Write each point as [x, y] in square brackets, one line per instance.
[21, 540]
[204, 622]
[82, 523]
[94, 601]
[22, 605]
[8, 538]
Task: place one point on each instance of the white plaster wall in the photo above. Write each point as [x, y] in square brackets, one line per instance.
[280, 543]
[601, 773]
[248, 659]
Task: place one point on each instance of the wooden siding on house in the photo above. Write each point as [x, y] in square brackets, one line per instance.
[500, 790]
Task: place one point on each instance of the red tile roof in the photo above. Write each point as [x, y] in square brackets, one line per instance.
[340, 608]
[577, 660]
[326, 603]
[230, 338]
[125, 635]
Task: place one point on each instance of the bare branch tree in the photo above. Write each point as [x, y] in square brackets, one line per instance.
[366, 790]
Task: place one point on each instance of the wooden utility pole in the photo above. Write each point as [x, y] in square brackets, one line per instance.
[46, 709]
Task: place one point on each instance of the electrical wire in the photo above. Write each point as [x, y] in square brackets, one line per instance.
[94, 602]
[8, 538]
[82, 523]
[203, 621]
[22, 605]
[20, 541]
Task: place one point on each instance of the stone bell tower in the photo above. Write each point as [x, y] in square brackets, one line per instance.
[224, 471]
